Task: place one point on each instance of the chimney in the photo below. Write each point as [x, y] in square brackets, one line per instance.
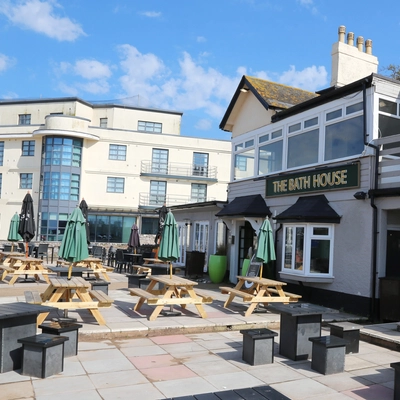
[351, 63]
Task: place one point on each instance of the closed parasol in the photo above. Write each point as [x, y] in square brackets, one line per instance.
[85, 211]
[13, 235]
[74, 243]
[26, 227]
[265, 245]
[134, 239]
[169, 244]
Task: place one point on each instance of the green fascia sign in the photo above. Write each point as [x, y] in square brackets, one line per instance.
[322, 179]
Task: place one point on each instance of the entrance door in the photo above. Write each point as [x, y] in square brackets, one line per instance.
[393, 254]
[246, 240]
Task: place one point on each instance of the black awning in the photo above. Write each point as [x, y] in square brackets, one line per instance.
[310, 209]
[246, 206]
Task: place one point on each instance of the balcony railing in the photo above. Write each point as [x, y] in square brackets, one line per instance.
[154, 201]
[389, 162]
[178, 170]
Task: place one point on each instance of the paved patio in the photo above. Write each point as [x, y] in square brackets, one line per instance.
[133, 358]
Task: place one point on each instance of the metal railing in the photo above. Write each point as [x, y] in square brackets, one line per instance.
[149, 200]
[178, 169]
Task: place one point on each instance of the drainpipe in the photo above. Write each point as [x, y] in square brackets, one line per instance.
[375, 210]
[275, 244]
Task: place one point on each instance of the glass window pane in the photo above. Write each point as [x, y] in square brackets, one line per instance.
[344, 139]
[303, 149]
[270, 158]
[244, 164]
[288, 247]
[334, 114]
[354, 108]
[387, 106]
[322, 231]
[389, 126]
[249, 143]
[311, 122]
[320, 253]
[299, 248]
[276, 134]
[295, 127]
[263, 139]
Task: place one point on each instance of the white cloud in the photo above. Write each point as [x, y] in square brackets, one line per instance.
[92, 69]
[201, 39]
[40, 16]
[204, 124]
[6, 62]
[94, 87]
[151, 14]
[310, 78]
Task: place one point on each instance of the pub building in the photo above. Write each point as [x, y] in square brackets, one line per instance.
[325, 168]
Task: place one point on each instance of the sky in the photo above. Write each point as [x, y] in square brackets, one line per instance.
[180, 55]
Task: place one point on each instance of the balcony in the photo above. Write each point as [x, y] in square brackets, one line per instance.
[148, 201]
[178, 171]
[389, 162]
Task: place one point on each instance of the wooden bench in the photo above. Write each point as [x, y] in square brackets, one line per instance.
[247, 297]
[103, 299]
[292, 297]
[204, 298]
[33, 297]
[6, 270]
[151, 298]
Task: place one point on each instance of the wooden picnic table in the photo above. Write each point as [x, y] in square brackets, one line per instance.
[96, 265]
[74, 294]
[152, 261]
[263, 291]
[20, 265]
[5, 256]
[176, 291]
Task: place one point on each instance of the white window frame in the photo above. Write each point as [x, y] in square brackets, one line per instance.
[304, 274]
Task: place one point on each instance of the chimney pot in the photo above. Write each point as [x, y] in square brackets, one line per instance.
[368, 46]
[342, 31]
[360, 43]
[350, 39]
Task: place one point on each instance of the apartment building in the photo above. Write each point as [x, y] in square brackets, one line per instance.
[126, 162]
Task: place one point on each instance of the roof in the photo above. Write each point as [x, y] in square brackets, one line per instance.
[246, 206]
[270, 94]
[216, 203]
[310, 209]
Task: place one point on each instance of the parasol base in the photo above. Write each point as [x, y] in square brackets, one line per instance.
[64, 320]
[260, 310]
[27, 280]
[170, 313]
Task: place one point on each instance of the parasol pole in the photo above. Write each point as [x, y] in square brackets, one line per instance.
[69, 271]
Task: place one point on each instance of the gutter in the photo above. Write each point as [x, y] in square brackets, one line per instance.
[373, 205]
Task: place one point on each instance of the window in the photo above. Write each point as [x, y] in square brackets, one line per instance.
[334, 114]
[389, 107]
[199, 193]
[200, 236]
[344, 138]
[159, 161]
[145, 126]
[303, 149]
[1, 153]
[115, 185]
[270, 158]
[25, 181]
[28, 147]
[63, 151]
[158, 191]
[295, 127]
[308, 250]
[24, 119]
[149, 226]
[61, 186]
[117, 152]
[103, 122]
[244, 164]
[200, 164]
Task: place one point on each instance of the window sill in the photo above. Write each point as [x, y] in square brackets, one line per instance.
[304, 278]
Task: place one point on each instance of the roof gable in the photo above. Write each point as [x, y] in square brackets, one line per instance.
[269, 94]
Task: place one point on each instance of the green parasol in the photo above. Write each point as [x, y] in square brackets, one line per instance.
[265, 245]
[13, 235]
[74, 246]
[169, 244]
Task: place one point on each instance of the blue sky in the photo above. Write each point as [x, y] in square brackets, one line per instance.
[184, 55]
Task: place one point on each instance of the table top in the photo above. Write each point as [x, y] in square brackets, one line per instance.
[296, 309]
[174, 280]
[26, 259]
[89, 259]
[263, 281]
[21, 309]
[154, 260]
[66, 269]
[73, 283]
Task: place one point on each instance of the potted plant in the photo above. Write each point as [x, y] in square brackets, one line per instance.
[217, 264]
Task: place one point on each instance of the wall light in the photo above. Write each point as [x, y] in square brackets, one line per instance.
[244, 90]
[360, 195]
